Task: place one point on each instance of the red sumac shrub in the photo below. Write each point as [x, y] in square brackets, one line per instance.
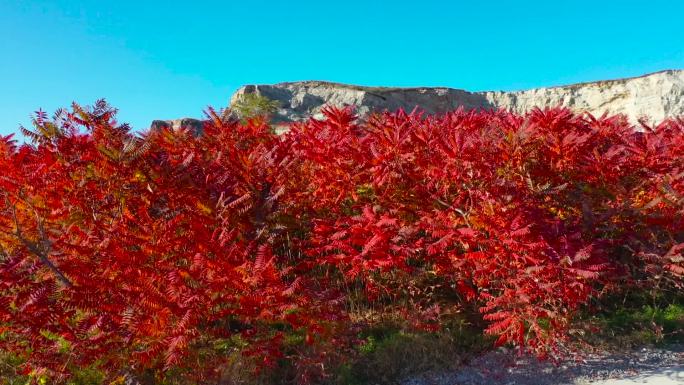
[139, 252]
[528, 216]
[142, 252]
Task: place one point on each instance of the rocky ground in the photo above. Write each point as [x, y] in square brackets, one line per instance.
[660, 366]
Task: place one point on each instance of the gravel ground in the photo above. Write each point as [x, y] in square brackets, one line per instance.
[503, 367]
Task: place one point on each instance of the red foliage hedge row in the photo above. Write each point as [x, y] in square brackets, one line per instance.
[135, 252]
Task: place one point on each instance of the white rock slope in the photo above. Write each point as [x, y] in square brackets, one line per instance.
[656, 96]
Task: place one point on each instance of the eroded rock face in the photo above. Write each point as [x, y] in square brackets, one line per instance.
[656, 96]
[195, 125]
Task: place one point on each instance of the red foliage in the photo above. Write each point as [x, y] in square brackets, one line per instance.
[137, 252]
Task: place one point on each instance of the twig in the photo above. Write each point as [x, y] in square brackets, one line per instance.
[34, 248]
[463, 214]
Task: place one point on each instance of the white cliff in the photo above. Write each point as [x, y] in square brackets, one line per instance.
[656, 96]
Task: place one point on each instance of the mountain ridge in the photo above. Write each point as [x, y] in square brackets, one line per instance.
[655, 96]
[358, 86]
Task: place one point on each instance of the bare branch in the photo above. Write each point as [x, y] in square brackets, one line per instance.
[41, 252]
[459, 211]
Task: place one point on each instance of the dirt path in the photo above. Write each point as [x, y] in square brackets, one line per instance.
[644, 366]
[662, 376]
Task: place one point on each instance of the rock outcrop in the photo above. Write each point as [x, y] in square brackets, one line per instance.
[655, 96]
[196, 125]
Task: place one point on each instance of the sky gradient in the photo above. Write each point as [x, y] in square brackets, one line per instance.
[165, 60]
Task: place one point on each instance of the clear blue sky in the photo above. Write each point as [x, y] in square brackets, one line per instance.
[171, 59]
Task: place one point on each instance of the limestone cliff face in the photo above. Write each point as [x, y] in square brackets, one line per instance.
[195, 125]
[656, 96]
